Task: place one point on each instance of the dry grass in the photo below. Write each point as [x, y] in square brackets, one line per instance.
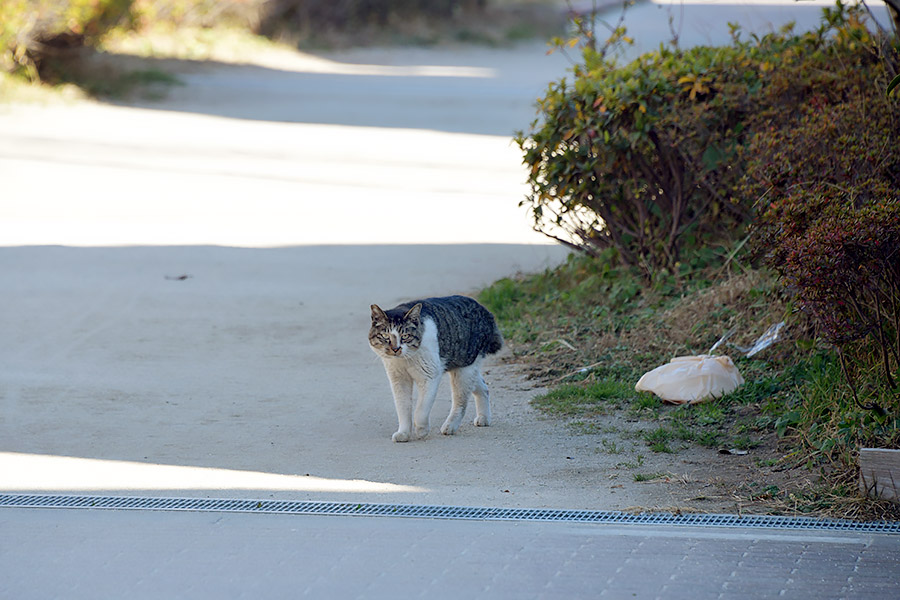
[683, 324]
[587, 326]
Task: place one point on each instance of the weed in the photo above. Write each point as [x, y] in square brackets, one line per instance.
[708, 439]
[661, 447]
[585, 427]
[611, 447]
[645, 403]
[659, 440]
[743, 443]
[708, 414]
[638, 462]
[662, 434]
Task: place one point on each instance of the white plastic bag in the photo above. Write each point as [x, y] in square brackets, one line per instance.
[692, 379]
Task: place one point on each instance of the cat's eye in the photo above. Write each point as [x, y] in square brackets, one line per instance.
[406, 337]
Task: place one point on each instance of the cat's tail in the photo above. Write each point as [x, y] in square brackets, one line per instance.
[495, 341]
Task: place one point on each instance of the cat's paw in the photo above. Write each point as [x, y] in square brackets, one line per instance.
[449, 428]
[400, 436]
[421, 432]
[482, 421]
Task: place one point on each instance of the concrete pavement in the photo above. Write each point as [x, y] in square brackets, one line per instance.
[83, 553]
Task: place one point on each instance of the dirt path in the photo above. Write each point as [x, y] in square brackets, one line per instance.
[251, 376]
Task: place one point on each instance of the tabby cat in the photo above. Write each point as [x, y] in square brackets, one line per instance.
[418, 341]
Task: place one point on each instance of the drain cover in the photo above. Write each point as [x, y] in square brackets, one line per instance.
[440, 512]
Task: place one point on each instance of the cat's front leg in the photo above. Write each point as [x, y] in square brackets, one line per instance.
[402, 388]
[427, 393]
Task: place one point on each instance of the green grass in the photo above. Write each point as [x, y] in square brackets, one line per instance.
[660, 439]
[611, 447]
[645, 404]
[621, 327]
[584, 400]
[743, 442]
[637, 463]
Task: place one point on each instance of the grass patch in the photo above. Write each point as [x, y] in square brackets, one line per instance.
[660, 439]
[636, 464]
[619, 326]
[585, 427]
[645, 404]
[661, 447]
[793, 412]
[584, 400]
[708, 439]
[743, 442]
[611, 447]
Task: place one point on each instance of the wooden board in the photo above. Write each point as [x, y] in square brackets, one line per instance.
[879, 473]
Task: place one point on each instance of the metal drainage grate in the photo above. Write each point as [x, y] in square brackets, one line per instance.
[441, 512]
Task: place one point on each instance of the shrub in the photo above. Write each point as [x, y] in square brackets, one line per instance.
[639, 157]
[646, 158]
[828, 180]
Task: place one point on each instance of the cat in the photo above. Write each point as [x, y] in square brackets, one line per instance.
[418, 341]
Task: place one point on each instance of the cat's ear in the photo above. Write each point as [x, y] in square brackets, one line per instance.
[378, 314]
[413, 313]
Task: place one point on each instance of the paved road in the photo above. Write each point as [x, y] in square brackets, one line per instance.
[54, 553]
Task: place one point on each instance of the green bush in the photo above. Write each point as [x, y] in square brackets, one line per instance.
[636, 157]
[648, 158]
[827, 176]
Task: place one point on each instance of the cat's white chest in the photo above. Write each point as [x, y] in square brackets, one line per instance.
[425, 362]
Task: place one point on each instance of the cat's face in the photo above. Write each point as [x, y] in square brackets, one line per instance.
[392, 335]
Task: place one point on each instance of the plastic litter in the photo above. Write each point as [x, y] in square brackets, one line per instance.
[772, 335]
[692, 379]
